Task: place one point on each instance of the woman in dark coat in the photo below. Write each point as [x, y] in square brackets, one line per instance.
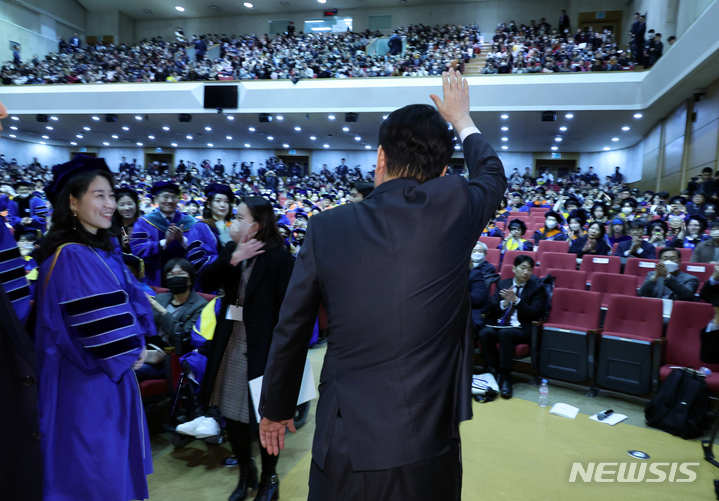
[254, 274]
[594, 242]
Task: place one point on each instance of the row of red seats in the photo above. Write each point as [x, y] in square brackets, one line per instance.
[631, 354]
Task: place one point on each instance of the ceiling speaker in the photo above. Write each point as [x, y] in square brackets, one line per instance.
[111, 118]
[42, 118]
[351, 117]
[184, 117]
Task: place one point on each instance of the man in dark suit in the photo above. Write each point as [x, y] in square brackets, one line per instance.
[516, 303]
[396, 377]
[637, 246]
[564, 24]
[655, 47]
[666, 281]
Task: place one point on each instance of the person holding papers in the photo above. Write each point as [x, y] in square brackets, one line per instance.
[254, 270]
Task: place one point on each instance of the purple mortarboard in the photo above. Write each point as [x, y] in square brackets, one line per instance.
[62, 173]
[217, 188]
[165, 186]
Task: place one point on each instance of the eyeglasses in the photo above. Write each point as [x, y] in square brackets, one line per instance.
[168, 198]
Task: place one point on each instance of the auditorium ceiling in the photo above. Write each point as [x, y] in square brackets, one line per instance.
[586, 131]
[165, 9]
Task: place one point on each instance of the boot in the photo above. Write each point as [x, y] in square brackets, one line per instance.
[246, 483]
[269, 488]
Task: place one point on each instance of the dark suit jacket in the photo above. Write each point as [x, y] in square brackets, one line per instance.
[179, 326]
[681, 286]
[648, 250]
[479, 294]
[399, 356]
[532, 305]
[263, 298]
[601, 249]
[704, 252]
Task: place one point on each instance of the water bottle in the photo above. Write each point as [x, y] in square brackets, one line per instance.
[706, 371]
[543, 393]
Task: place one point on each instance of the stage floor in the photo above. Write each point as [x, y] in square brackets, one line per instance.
[512, 450]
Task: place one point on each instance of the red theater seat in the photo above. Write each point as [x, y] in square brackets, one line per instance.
[551, 246]
[569, 279]
[600, 264]
[608, 284]
[564, 261]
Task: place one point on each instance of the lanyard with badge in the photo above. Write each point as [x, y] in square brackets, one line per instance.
[234, 311]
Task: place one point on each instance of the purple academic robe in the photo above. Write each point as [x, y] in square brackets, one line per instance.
[35, 209]
[92, 320]
[12, 274]
[204, 245]
[147, 233]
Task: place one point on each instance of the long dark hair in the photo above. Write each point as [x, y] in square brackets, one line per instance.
[207, 209]
[117, 219]
[63, 220]
[263, 214]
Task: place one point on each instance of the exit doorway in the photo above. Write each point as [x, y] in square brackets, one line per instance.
[161, 158]
[290, 160]
[558, 168]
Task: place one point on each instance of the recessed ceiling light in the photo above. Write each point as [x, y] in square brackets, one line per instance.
[569, 115]
[252, 129]
[625, 128]
[43, 142]
[165, 128]
[106, 144]
[357, 138]
[505, 139]
[247, 145]
[13, 127]
[313, 138]
[13, 135]
[505, 147]
[96, 118]
[280, 117]
[615, 139]
[298, 129]
[138, 117]
[73, 143]
[322, 1]
[115, 137]
[181, 9]
[208, 128]
[368, 147]
[248, 5]
[189, 137]
[270, 138]
[456, 146]
[210, 145]
[558, 139]
[504, 117]
[346, 129]
[147, 11]
[150, 137]
[15, 118]
[555, 148]
[125, 128]
[79, 136]
[331, 117]
[46, 137]
[139, 144]
[562, 129]
[606, 148]
[49, 128]
[54, 119]
[505, 128]
[86, 128]
[174, 145]
[285, 145]
[229, 137]
[326, 145]
[230, 117]
[637, 115]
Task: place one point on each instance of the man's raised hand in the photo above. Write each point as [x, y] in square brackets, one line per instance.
[455, 106]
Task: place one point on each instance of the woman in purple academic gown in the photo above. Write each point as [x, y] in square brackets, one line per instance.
[92, 318]
[208, 237]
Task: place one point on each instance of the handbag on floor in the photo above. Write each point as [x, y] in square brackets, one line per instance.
[681, 405]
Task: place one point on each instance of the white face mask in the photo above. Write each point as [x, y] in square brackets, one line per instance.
[671, 266]
[477, 257]
[627, 210]
[551, 224]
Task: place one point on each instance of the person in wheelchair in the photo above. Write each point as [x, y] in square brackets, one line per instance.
[175, 314]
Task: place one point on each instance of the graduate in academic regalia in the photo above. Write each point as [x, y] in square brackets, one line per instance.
[161, 235]
[514, 240]
[26, 211]
[551, 229]
[208, 237]
[92, 319]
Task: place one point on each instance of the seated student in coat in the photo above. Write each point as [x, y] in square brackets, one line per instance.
[667, 281]
[517, 303]
[637, 246]
[594, 242]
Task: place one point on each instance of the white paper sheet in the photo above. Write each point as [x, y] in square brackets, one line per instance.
[613, 419]
[307, 389]
[564, 410]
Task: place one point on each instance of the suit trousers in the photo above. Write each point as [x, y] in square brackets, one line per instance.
[431, 479]
[507, 338]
